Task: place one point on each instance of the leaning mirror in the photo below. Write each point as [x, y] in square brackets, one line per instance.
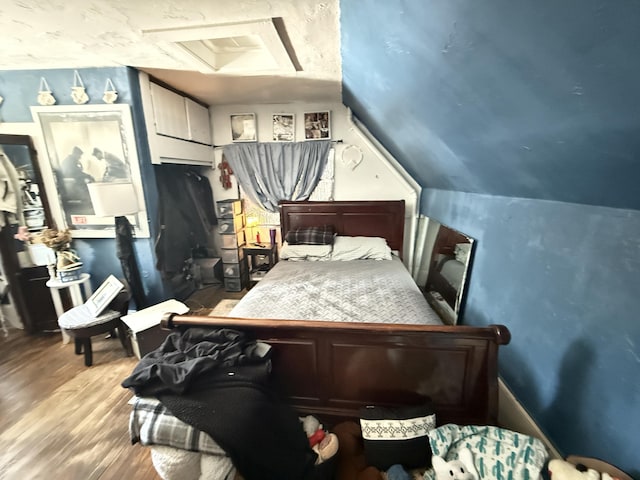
[19, 151]
[27, 279]
[449, 266]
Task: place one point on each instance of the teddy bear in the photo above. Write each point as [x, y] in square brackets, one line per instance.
[562, 470]
[461, 468]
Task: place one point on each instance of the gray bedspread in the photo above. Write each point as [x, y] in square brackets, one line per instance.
[379, 291]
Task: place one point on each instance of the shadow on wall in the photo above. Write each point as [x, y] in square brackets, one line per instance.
[573, 378]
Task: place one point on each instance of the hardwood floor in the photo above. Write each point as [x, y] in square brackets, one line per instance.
[208, 297]
[62, 420]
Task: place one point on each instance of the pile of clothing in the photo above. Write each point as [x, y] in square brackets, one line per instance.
[218, 381]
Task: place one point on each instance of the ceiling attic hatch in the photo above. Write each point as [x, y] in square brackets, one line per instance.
[247, 48]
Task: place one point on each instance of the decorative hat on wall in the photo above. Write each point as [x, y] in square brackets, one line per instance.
[110, 94]
[45, 97]
[78, 93]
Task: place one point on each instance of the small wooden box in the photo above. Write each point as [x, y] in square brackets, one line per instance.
[210, 270]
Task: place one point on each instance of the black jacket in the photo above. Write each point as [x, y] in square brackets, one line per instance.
[186, 216]
[218, 382]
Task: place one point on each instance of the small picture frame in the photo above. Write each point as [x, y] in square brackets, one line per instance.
[284, 127]
[243, 127]
[317, 125]
[103, 296]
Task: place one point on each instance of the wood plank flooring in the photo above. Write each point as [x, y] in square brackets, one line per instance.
[62, 420]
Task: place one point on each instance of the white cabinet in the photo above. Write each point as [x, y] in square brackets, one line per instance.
[169, 112]
[199, 122]
[179, 129]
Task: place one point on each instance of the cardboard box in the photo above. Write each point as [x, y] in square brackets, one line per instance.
[144, 325]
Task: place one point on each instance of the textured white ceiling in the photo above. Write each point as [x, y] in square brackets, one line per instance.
[36, 34]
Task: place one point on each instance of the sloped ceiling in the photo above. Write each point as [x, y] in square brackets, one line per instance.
[537, 99]
[39, 34]
[522, 99]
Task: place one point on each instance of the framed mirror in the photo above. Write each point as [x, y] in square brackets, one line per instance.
[21, 169]
[449, 267]
[19, 150]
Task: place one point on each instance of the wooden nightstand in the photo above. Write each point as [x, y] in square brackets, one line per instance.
[261, 259]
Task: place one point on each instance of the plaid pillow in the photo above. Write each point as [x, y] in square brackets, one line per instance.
[322, 235]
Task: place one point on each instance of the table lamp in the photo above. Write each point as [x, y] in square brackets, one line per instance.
[252, 222]
[116, 199]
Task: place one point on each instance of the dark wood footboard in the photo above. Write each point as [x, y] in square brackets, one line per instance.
[333, 369]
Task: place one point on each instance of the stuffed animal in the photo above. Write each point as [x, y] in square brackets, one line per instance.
[314, 429]
[461, 468]
[325, 444]
[326, 448]
[562, 470]
[310, 424]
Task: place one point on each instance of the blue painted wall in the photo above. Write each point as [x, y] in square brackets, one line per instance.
[564, 279]
[520, 120]
[20, 88]
[531, 99]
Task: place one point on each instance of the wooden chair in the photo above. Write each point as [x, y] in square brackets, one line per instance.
[80, 325]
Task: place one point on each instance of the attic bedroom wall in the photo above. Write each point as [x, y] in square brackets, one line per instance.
[374, 178]
[563, 277]
[19, 89]
[520, 121]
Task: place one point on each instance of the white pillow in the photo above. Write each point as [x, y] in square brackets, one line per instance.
[305, 252]
[360, 248]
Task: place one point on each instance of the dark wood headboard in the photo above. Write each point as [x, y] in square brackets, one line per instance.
[351, 218]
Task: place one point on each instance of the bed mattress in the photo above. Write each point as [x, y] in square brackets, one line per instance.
[379, 291]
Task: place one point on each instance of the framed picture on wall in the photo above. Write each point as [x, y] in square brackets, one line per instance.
[317, 125]
[86, 144]
[243, 127]
[284, 127]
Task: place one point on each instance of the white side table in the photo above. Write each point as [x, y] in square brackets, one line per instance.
[55, 285]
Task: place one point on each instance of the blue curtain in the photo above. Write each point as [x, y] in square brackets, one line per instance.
[270, 172]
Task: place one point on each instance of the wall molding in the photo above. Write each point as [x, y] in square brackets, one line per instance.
[513, 416]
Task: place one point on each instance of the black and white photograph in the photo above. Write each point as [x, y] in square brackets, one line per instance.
[317, 125]
[284, 127]
[243, 127]
[87, 144]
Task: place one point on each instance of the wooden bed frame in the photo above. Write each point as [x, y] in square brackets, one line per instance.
[357, 218]
[332, 369]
